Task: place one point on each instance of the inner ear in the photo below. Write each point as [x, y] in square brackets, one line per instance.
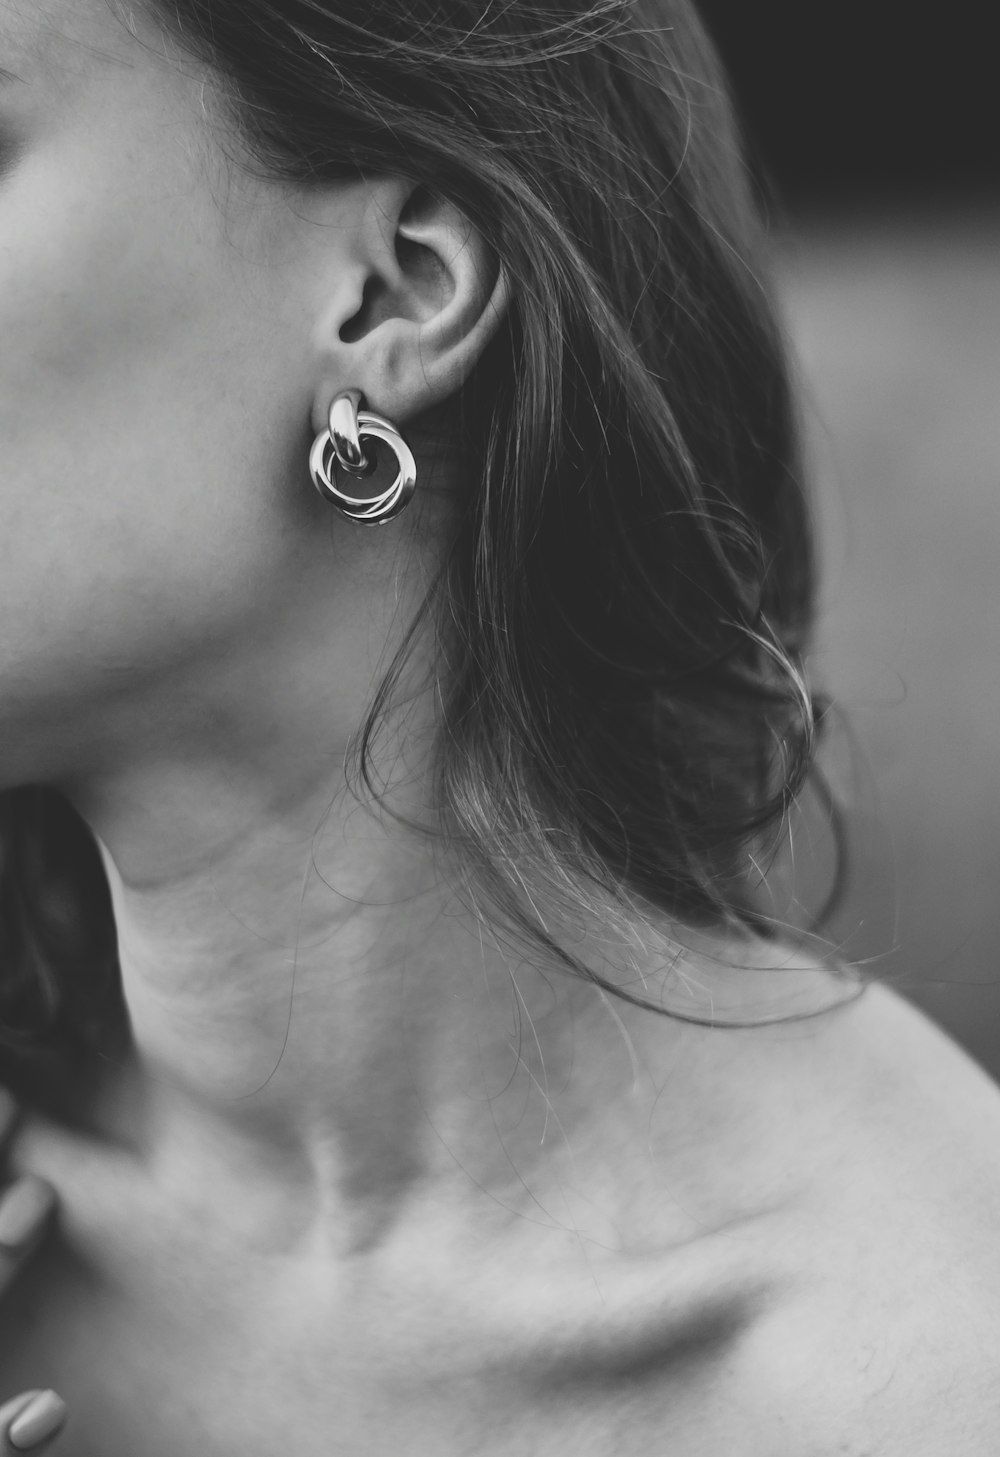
[419, 244]
[415, 282]
[372, 311]
[424, 267]
[417, 229]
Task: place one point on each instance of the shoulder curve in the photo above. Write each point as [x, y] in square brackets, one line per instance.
[889, 1332]
[815, 1379]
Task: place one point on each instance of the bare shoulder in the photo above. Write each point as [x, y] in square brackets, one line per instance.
[854, 1186]
[904, 1107]
[886, 1337]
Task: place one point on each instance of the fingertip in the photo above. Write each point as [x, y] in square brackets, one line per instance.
[9, 1412]
[39, 1418]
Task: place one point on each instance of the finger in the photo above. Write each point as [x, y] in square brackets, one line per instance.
[31, 1422]
[26, 1208]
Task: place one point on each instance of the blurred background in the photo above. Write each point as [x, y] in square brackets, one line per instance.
[873, 129]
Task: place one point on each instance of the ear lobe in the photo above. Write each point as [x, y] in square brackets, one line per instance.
[432, 298]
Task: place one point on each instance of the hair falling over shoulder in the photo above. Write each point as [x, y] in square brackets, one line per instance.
[627, 594]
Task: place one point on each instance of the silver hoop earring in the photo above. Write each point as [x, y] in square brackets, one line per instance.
[341, 447]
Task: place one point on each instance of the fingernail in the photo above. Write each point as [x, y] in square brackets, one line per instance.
[41, 1419]
[24, 1208]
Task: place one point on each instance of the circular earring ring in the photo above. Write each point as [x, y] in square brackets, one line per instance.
[324, 462]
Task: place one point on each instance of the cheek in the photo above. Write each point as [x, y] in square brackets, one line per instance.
[143, 440]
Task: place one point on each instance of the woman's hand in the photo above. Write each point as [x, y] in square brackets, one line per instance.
[29, 1422]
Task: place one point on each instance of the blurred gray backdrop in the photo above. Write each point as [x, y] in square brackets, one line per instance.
[878, 151]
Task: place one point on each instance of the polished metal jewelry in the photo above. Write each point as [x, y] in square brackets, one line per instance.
[342, 447]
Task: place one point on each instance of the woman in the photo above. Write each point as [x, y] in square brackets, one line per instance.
[461, 1103]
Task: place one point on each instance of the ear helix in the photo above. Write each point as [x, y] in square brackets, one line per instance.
[343, 447]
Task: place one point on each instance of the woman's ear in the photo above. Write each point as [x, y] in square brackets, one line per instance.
[418, 296]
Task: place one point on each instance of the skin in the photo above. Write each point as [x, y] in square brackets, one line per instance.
[370, 1183]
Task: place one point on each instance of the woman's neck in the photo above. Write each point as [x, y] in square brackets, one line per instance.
[322, 1029]
[318, 1022]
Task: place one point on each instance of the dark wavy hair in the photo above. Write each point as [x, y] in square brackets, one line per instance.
[626, 593]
